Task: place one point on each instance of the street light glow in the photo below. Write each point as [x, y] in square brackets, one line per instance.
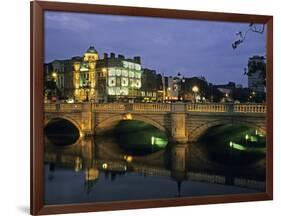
[54, 75]
[195, 89]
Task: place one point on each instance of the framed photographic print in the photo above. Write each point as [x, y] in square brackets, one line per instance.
[141, 107]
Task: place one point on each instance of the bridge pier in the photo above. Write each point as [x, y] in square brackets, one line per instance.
[86, 120]
[178, 124]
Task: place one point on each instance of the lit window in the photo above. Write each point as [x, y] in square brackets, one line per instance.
[111, 91]
[125, 64]
[125, 81]
[138, 83]
[137, 67]
[124, 91]
[138, 75]
[132, 83]
[111, 72]
[118, 72]
[124, 73]
[111, 81]
[131, 74]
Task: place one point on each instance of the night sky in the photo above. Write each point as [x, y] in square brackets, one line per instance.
[193, 48]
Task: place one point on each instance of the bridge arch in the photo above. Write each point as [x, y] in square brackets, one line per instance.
[114, 120]
[64, 117]
[197, 132]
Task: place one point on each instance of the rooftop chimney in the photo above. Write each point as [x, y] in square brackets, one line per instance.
[137, 59]
[112, 55]
[121, 56]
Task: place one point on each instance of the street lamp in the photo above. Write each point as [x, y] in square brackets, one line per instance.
[246, 138]
[54, 75]
[195, 90]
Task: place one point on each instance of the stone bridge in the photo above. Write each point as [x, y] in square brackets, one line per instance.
[181, 122]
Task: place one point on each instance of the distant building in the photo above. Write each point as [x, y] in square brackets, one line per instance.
[152, 86]
[172, 88]
[61, 72]
[256, 73]
[91, 78]
[118, 78]
[226, 89]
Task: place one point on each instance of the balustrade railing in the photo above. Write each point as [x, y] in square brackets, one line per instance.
[214, 107]
[150, 107]
[250, 108]
[156, 107]
[70, 107]
[109, 107]
[49, 107]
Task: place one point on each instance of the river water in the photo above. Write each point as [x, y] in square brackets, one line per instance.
[137, 165]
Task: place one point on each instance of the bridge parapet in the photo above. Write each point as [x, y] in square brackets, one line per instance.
[155, 107]
[217, 107]
[212, 107]
[252, 108]
[109, 107]
[151, 107]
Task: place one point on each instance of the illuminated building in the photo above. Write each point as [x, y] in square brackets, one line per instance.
[84, 76]
[118, 78]
[89, 78]
[63, 71]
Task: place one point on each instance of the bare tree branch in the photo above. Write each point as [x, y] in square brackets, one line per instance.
[242, 35]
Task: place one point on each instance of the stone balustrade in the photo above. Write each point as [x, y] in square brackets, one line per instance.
[109, 107]
[252, 108]
[155, 107]
[212, 107]
[152, 107]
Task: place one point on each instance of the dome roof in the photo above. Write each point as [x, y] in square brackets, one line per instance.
[91, 49]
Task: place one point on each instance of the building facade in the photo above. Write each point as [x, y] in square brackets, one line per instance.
[89, 78]
[118, 78]
[256, 74]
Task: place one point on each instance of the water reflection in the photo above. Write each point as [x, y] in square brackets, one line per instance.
[100, 169]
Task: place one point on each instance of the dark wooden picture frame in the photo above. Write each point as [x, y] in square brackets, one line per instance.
[37, 107]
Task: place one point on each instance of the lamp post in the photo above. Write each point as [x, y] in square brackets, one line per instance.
[195, 90]
[246, 138]
[55, 78]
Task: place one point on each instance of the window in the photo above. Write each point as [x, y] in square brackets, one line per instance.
[125, 64]
[138, 75]
[124, 73]
[137, 83]
[111, 72]
[137, 67]
[131, 74]
[118, 72]
[111, 81]
[125, 81]
[132, 83]
[111, 91]
[124, 91]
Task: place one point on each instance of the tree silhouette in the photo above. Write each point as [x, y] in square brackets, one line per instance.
[253, 27]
